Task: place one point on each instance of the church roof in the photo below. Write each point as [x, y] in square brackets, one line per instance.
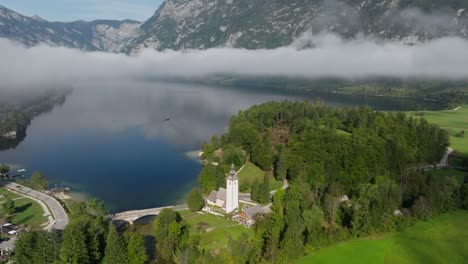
[221, 194]
[217, 195]
[212, 196]
[232, 174]
[252, 211]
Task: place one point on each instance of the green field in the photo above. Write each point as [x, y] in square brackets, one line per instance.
[28, 212]
[441, 240]
[250, 173]
[453, 122]
[215, 231]
[7, 194]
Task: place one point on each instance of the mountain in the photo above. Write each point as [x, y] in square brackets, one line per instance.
[253, 24]
[250, 24]
[99, 35]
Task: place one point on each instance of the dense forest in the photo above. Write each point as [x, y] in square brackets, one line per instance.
[325, 154]
[16, 114]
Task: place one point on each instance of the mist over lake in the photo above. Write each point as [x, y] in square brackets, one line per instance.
[126, 142]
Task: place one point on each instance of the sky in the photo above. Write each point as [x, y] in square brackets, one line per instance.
[70, 10]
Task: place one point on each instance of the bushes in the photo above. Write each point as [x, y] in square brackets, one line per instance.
[195, 200]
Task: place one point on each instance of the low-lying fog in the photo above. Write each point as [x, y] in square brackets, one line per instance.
[330, 56]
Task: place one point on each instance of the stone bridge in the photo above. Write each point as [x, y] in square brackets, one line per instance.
[132, 216]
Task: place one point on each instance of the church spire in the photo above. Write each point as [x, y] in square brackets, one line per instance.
[232, 174]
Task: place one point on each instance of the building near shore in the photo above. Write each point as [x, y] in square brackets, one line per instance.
[226, 198]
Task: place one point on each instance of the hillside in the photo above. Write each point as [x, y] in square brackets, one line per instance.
[99, 35]
[202, 24]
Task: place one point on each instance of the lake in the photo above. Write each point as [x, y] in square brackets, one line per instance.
[126, 143]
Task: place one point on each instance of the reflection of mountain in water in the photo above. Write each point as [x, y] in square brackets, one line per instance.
[17, 110]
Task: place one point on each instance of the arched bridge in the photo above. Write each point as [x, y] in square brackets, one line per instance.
[132, 216]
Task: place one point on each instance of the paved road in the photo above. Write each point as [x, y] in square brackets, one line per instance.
[60, 216]
[444, 161]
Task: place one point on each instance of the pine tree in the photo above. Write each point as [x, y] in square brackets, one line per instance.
[254, 190]
[136, 249]
[195, 200]
[280, 169]
[74, 247]
[116, 248]
[264, 190]
[38, 181]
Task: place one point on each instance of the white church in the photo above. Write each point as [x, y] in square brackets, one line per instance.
[227, 199]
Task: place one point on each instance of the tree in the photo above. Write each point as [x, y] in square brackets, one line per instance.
[136, 249]
[314, 221]
[169, 232]
[211, 178]
[262, 155]
[264, 190]
[9, 206]
[116, 248]
[261, 191]
[280, 168]
[254, 190]
[465, 196]
[75, 247]
[195, 200]
[84, 239]
[244, 250]
[460, 134]
[38, 181]
[37, 247]
[4, 169]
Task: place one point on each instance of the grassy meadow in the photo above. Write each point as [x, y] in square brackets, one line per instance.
[215, 231]
[250, 173]
[28, 212]
[440, 240]
[453, 122]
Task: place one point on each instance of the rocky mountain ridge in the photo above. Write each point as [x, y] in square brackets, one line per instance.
[98, 35]
[250, 24]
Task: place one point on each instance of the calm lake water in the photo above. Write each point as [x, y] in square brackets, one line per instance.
[112, 140]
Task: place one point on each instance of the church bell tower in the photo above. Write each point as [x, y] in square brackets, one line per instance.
[232, 191]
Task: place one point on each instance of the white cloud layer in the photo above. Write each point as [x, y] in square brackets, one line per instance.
[331, 56]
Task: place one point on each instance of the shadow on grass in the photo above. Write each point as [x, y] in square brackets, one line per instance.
[23, 208]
